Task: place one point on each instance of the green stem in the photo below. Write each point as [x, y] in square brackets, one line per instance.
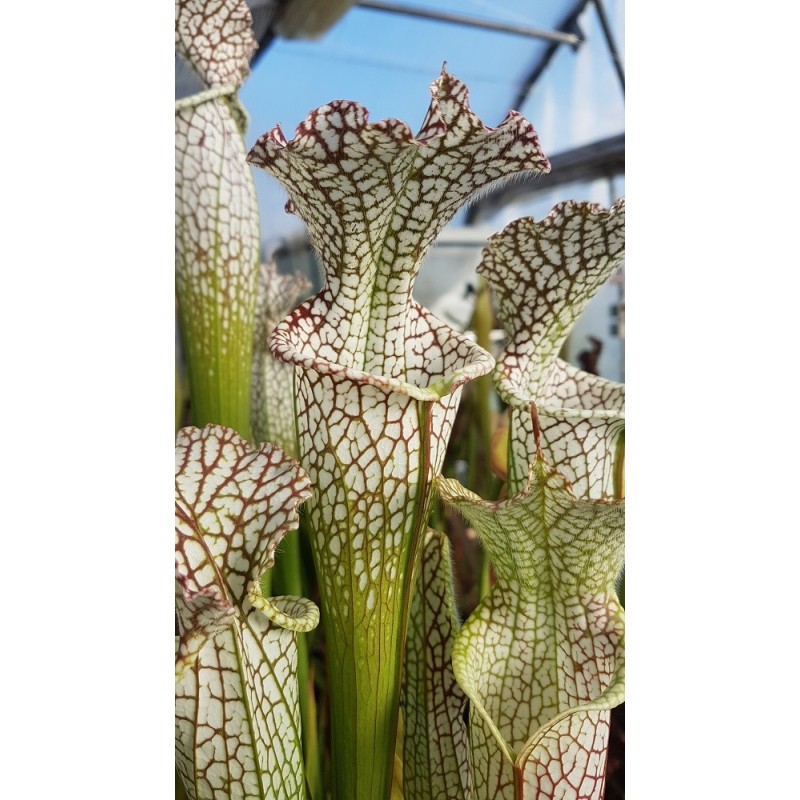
[619, 494]
[215, 289]
[619, 468]
[180, 397]
[287, 579]
[366, 653]
[485, 483]
[219, 385]
[313, 754]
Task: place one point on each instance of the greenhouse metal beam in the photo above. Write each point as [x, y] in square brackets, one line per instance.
[604, 158]
[569, 23]
[557, 37]
[601, 13]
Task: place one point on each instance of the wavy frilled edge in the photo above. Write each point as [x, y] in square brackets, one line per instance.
[543, 275]
[374, 198]
[378, 184]
[236, 708]
[234, 503]
[215, 37]
[290, 343]
[543, 534]
[592, 397]
[539, 268]
[387, 133]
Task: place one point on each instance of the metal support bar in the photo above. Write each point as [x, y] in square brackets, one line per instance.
[601, 13]
[569, 22]
[472, 22]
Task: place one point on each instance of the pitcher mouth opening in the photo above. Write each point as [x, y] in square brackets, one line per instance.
[442, 374]
[550, 404]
